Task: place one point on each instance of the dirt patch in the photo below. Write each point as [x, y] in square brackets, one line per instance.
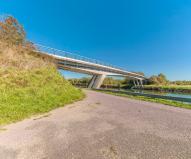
[44, 116]
[3, 129]
[110, 153]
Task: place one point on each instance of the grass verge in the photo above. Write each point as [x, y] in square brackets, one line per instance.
[30, 92]
[176, 88]
[155, 100]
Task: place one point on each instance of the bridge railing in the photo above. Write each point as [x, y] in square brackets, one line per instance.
[52, 51]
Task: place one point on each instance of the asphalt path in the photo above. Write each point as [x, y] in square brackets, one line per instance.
[101, 126]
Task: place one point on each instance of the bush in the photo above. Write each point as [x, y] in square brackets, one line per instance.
[158, 80]
[11, 32]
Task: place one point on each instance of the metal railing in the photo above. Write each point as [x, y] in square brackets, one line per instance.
[52, 51]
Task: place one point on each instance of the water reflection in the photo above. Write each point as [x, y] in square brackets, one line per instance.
[169, 94]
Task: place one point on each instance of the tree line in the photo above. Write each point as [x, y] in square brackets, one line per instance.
[159, 79]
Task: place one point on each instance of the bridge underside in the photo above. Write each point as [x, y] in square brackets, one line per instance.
[97, 70]
[97, 76]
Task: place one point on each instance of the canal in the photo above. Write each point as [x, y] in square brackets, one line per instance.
[182, 97]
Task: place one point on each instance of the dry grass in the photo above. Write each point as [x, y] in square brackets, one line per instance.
[21, 58]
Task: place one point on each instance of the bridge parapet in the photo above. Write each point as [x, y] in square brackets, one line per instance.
[53, 51]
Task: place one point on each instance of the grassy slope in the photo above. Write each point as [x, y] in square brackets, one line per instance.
[30, 85]
[156, 100]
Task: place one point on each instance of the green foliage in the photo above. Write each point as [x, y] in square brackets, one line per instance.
[108, 81]
[111, 81]
[75, 81]
[82, 82]
[186, 83]
[176, 88]
[26, 93]
[160, 79]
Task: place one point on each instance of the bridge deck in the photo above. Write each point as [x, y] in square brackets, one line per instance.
[69, 60]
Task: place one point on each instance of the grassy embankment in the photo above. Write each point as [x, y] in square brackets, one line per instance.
[30, 85]
[174, 88]
[155, 100]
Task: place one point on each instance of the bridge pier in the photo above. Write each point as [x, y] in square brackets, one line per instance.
[141, 82]
[134, 82]
[92, 81]
[96, 81]
[138, 83]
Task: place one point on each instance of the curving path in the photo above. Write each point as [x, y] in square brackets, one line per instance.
[101, 127]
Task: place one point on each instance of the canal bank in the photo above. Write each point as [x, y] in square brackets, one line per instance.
[168, 88]
[183, 102]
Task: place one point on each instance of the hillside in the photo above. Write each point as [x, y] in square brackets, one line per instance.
[30, 84]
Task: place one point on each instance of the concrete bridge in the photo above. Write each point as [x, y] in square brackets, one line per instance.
[99, 70]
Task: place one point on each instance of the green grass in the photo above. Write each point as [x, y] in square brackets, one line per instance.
[27, 93]
[155, 100]
[183, 88]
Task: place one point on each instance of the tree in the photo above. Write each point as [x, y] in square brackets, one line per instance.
[111, 81]
[82, 81]
[153, 80]
[160, 79]
[11, 32]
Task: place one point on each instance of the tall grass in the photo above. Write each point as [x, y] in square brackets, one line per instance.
[28, 92]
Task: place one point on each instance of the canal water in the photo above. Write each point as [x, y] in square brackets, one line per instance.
[169, 94]
[185, 98]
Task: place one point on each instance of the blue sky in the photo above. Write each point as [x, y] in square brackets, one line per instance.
[140, 35]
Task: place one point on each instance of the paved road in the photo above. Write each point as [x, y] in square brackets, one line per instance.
[101, 127]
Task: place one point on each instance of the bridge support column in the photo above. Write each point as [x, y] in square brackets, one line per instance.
[134, 83]
[99, 80]
[96, 81]
[138, 83]
[141, 81]
[92, 81]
